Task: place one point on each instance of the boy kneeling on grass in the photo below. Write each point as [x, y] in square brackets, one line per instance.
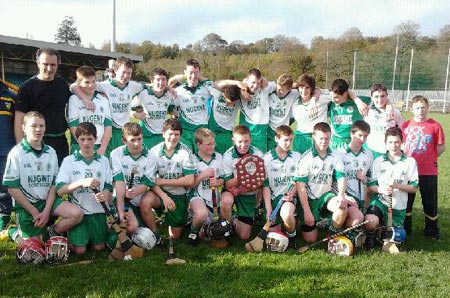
[394, 175]
[80, 173]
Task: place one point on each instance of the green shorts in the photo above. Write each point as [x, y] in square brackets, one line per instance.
[25, 220]
[302, 142]
[115, 141]
[178, 217]
[398, 216]
[92, 229]
[223, 141]
[246, 205]
[317, 207]
[151, 140]
[275, 201]
[136, 210]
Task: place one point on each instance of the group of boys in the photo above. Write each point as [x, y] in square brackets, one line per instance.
[170, 165]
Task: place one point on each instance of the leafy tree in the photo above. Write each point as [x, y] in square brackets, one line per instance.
[67, 33]
[213, 43]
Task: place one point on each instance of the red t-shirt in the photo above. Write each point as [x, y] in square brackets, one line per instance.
[421, 140]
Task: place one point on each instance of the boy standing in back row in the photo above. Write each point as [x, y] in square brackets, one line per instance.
[425, 142]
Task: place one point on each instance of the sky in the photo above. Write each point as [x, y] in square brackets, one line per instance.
[185, 22]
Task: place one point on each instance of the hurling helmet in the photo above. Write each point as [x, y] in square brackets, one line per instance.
[277, 241]
[57, 250]
[341, 246]
[30, 251]
[144, 238]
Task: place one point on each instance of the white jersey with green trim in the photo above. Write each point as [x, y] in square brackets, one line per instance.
[173, 167]
[223, 116]
[386, 172]
[75, 167]
[354, 162]
[318, 173]
[256, 110]
[280, 172]
[143, 167]
[101, 117]
[155, 109]
[119, 100]
[232, 156]
[379, 123]
[193, 104]
[280, 108]
[301, 114]
[34, 174]
[203, 190]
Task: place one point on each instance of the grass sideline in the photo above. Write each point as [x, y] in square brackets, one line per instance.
[420, 270]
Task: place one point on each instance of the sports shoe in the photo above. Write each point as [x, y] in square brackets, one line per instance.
[193, 239]
[292, 244]
[160, 243]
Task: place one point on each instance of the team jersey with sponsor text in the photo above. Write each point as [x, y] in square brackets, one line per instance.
[342, 116]
[119, 100]
[177, 165]
[379, 123]
[280, 108]
[203, 190]
[255, 112]
[301, 115]
[385, 172]
[280, 172]
[193, 104]
[223, 116]
[34, 174]
[155, 109]
[353, 162]
[319, 173]
[101, 117]
[124, 164]
[75, 167]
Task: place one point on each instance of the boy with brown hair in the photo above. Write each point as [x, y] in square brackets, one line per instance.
[77, 112]
[424, 141]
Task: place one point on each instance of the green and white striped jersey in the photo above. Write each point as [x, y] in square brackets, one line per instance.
[34, 174]
[172, 167]
[75, 167]
[143, 167]
[119, 100]
[101, 117]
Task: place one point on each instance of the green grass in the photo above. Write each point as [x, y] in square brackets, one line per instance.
[421, 270]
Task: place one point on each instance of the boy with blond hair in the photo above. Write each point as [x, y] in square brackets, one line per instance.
[30, 174]
[209, 174]
[77, 112]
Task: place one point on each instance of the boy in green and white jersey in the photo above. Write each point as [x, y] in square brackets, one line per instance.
[80, 173]
[246, 203]
[317, 169]
[307, 111]
[280, 106]
[394, 175]
[343, 112]
[209, 174]
[174, 174]
[132, 159]
[77, 112]
[224, 109]
[379, 119]
[281, 167]
[151, 107]
[192, 102]
[30, 174]
[120, 92]
[357, 163]
[255, 111]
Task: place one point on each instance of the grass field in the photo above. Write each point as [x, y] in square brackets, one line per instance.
[420, 271]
